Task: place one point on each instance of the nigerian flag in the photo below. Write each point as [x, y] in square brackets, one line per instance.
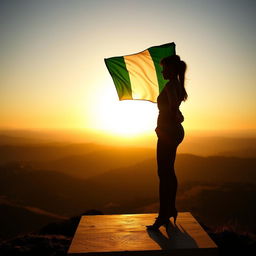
[138, 76]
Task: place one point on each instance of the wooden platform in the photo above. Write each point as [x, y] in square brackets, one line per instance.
[126, 234]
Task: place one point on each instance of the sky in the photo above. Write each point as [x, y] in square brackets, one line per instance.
[53, 76]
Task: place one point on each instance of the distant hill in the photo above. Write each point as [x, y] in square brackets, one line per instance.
[215, 169]
[215, 145]
[193, 144]
[15, 220]
[43, 153]
[47, 190]
[12, 140]
[87, 160]
[98, 161]
[249, 152]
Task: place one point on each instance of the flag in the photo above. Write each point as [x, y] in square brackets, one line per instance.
[138, 76]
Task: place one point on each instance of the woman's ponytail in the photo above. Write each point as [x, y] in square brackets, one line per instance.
[179, 67]
[181, 73]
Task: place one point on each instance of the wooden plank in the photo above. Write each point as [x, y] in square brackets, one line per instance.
[126, 234]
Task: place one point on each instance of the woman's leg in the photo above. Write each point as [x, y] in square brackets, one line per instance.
[166, 155]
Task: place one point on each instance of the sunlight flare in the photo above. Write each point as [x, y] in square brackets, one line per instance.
[126, 118]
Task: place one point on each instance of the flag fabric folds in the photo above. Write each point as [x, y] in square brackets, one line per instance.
[138, 76]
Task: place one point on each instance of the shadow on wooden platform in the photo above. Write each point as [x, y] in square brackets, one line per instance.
[126, 234]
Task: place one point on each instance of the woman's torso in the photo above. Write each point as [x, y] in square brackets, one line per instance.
[169, 114]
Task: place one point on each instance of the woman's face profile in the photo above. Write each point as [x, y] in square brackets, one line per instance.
[168, 72]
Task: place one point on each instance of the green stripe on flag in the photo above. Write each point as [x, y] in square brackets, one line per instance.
[117, 69]
[157, 53]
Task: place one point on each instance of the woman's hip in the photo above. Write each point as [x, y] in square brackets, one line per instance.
[172, 135]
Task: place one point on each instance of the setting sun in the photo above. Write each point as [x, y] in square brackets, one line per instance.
[126, 118]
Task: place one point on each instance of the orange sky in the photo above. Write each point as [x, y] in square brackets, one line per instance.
[53, 74]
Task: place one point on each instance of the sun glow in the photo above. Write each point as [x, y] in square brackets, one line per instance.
[126, 118]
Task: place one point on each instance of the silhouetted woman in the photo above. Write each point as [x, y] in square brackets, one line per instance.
[170, 134]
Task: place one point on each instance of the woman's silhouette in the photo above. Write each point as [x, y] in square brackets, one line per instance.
[170, 134]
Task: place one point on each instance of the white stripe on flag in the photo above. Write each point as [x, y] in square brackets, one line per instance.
[143, 76]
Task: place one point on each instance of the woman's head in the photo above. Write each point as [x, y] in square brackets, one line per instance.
[174, 67]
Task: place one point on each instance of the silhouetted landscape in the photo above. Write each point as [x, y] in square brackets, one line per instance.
[46, 186]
